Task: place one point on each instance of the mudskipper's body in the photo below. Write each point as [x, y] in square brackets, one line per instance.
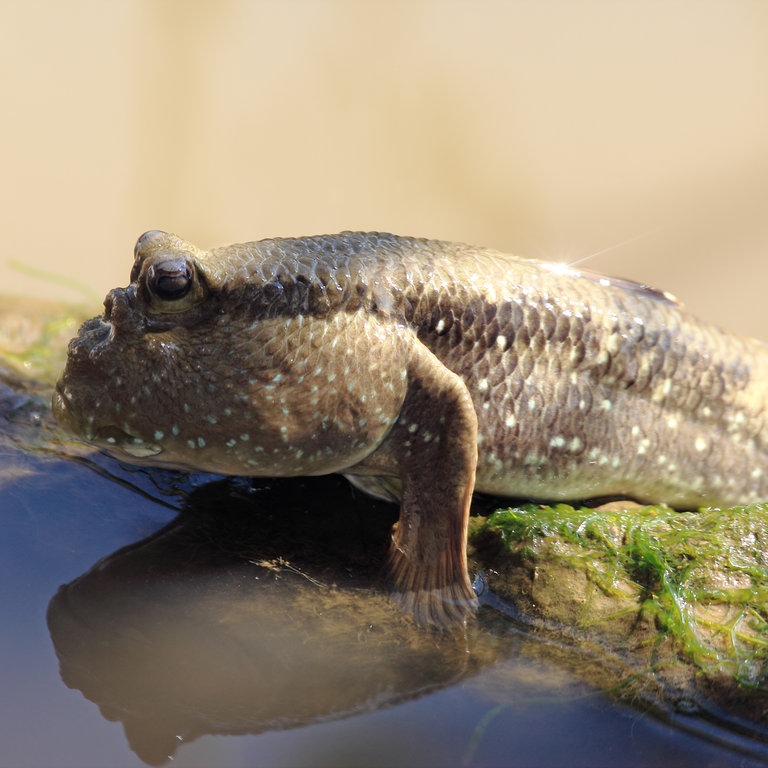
[422, 368]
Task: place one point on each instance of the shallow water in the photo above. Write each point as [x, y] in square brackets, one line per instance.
[228, 623]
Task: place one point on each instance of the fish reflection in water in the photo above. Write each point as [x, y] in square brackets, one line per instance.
[199, 629]
[252, 613]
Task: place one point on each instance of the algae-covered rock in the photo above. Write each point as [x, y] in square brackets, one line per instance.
[679, 599]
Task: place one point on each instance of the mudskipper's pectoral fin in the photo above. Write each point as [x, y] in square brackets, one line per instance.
[434, 443]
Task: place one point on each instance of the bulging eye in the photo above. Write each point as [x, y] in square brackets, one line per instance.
[170, 280]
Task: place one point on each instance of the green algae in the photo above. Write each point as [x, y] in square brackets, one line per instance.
[34, 336]
[697, 579]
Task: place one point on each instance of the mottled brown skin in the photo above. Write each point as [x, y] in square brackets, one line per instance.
[421, 369]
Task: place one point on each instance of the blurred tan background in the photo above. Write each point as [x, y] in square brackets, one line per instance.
[551, 129]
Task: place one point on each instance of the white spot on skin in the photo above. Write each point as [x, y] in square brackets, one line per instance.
[201, 442]
[482, 385]
[510, 421]
[412, 428]
[575, 445]
[756, 473]
[159, 434]
[635, 431]
[501, 341]
[245, 437]
[606, 405]
[700, 444]
[661, 390]
[672, 422]
[175, 430]
[558, 441]
[532, 404]
[440, 327]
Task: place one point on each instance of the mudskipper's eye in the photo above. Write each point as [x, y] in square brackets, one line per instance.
[170, 285]
[170, 280]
